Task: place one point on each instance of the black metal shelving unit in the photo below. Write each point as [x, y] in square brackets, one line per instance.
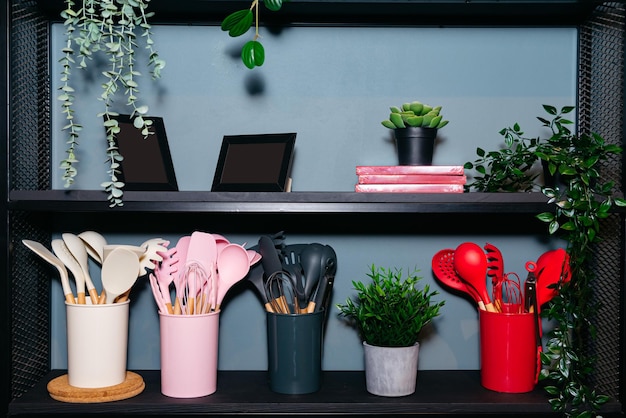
[34, 211]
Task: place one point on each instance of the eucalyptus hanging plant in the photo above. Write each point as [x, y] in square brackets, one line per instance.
[239, 22]
[109, 27]
[580, 203]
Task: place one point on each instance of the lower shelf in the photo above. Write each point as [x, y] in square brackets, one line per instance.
[455, 392]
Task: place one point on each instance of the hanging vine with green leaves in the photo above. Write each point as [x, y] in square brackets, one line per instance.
[580, 204]
[239, 22]
[110, 27]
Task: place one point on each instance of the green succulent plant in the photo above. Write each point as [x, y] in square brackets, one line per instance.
[415, 114]
[390, 311]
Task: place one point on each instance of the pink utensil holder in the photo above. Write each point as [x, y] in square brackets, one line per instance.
[189, 346]
[97, 344]
[509, 354]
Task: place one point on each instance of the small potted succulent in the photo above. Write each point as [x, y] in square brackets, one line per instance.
[389, 314]
[415, 126]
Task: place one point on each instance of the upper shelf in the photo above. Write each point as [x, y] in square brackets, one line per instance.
[279, 203]
[377, 12]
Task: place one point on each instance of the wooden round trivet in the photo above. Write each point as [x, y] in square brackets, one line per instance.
[60, 389]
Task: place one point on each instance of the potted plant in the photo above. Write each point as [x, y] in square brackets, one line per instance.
[581, 201]
[415, 127]
[389, 313]
[110, 27]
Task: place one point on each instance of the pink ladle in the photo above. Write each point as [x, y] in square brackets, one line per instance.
[232, 266]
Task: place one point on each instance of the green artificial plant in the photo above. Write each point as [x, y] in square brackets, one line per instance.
[580, 203]
[415, 114]
[390, 311]
[110, 27]
[239, 22]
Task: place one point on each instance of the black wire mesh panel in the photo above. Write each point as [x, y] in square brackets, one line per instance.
[601, 110]
[30, 307]
[29, 98]
[29, 168]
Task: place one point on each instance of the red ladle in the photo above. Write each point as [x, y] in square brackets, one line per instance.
[443, 267]
[552, 267]
[470, 262]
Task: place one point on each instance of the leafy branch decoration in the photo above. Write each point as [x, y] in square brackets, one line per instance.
[239, 22]
[109, 27]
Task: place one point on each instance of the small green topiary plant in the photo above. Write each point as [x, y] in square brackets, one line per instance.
[390, 311]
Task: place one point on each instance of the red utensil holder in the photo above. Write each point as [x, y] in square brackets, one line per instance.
[509, 353]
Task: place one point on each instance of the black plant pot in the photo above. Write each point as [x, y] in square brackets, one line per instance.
[415, 145]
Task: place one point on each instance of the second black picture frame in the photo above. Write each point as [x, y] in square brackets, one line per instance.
[255, 163]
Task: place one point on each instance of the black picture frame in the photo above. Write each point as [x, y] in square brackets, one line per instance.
[147, 163]
[255, 163]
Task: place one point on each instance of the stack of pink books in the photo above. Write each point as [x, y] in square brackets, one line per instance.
[410, 178]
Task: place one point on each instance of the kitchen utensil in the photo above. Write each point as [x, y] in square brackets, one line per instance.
[232, 266]
[63, 253]
[297, 282]
[311, 258]
[48, 256]
[495, 270]
[280, 292]
[270, 259]
[511, 299]
[159, 295]
[471, 264]
[182, 246]
[108, 249]
[77, 247]
[164, 274]
[256, 278]
[322, 297]
[151, 256]
[220, 241]
[119, 272]
[253, 257]
[443, 267]
[94, 244]
[531, 305]
[202, 273]
[552, 267]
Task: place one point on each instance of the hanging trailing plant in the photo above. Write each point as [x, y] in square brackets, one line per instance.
[239, 22]
[579, 208]
[110, 27]
[580, 203]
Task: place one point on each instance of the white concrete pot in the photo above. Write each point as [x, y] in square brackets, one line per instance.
[390, 371]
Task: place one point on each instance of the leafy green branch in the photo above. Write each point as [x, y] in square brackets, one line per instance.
[579, 208]
[109, 26]
[580, 202]
[240, 21]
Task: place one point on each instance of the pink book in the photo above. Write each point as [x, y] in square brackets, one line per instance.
[409, 188]
[411, 179]
[410, 169]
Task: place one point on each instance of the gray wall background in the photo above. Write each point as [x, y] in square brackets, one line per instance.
[332, 86]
